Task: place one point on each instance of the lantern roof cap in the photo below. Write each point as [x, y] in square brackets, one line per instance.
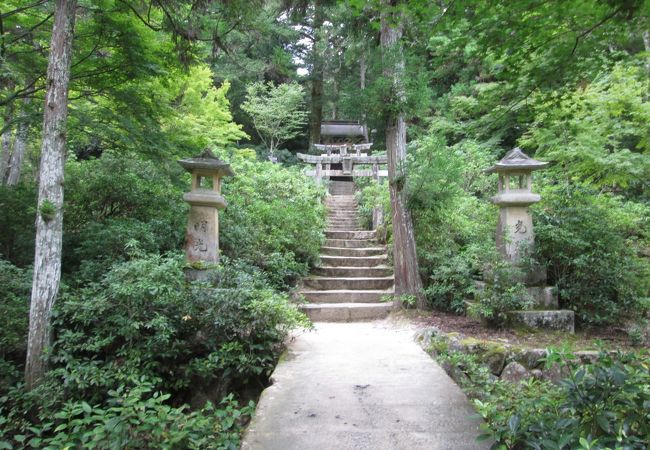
[207, 161]
[516, 160]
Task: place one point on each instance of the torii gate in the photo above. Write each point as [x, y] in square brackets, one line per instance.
[338, 160]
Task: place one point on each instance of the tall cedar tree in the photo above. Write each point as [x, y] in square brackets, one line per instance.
[407, 277]
[49, 218]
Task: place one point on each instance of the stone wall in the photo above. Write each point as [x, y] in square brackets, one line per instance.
[505, 361]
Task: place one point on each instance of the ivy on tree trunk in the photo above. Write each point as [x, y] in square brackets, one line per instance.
[49, 217]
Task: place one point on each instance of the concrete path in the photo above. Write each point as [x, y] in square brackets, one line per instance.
[361, 386]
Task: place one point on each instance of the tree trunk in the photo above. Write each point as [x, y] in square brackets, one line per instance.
[316, 112]
[362, 86]
[49, 217]
[646, 44]
[16, 163]
[5, 142]
[407, 277]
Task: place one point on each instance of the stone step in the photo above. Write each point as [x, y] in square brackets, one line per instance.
[346, 228]
[343, 216]
[350, 272]
[342, 207]
[337, 283]
[351, 223]
[349, 261]
[344, 251]
[338, 234]
[346, 312]
[351, 243]
[346, 296]
[343, 212]
[343, 219]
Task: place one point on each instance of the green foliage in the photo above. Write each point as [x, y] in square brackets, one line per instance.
[142, 319]
[202, 117]
[47, 210]
[589, 242]
[604, 404]
[274, 220]
[116, 199]
[597, 133]
[138, 337]
[138, 418]
[278, 112]
[18, 204]
[502, 293]
[601, 405]
[14, 313]
[453, 228]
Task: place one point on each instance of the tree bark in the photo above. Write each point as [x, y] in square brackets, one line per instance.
[5, 142]
[362, 86]
[646, 45]
[49, 217]
[407, 276]
[316, 112]
[20, 143]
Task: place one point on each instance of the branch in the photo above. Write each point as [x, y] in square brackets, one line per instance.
[142, 19]
[588, 31]
[24, 8]
[17, 38]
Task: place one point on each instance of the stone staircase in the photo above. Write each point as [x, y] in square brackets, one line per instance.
[354, 275]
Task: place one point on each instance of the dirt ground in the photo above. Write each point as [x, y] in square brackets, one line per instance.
[611, 337]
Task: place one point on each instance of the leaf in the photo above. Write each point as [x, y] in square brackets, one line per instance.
[513, 423]
[603, 423]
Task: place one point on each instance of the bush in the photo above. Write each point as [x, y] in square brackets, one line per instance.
[604, 405]
[142, 319]
[589, 243]
[134, 418]
[600, 405]
[18, 206]
[15, 291]
[274, 220]
[502, 293]
[115, 199]
[143, 329]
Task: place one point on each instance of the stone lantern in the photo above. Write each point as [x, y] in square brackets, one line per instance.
[515, 235]
[202, 235]
[515, 226]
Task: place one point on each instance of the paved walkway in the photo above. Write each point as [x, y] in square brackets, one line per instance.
[361, 386]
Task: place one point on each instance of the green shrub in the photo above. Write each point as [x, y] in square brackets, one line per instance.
[115, 199]
[589, 243]
[142, 319]
[18, 206]
[502, 293]
[134, 418]
[15, 288]
[604, 405]
[139, 419]
[274, 220]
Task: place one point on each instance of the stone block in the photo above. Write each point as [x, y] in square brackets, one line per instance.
[203, 275]
[531, 358]
[560, 320]
[544, 296]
